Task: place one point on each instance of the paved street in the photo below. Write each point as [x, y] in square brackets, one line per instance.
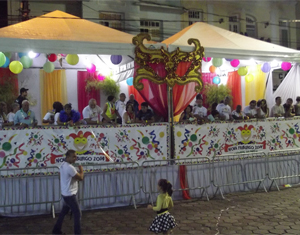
[242, 213]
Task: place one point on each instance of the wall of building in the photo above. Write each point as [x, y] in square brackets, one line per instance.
[267, 15]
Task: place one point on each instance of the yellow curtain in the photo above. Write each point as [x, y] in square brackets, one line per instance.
[255, 89]
[53, 87]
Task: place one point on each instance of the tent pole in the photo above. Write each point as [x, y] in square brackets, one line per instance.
[171, 121]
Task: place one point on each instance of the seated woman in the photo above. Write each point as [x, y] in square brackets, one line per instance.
[288, 111]
[128, 116]
[52, 116]
[14, 107]
[110, 113]
[259, 110]
[3, 118]
[238, 114]
[68, 116]
[264, 107]
[187, 115]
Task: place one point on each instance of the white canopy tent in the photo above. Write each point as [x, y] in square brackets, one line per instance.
[222, 43]
[59, 32]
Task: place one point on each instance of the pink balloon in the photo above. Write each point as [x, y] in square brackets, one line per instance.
[91, 68]
[100, 77]
[207, 59]
[235, 63]
[150, 146]
[190, 144]
[286, 66]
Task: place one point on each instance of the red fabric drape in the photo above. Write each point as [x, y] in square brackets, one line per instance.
[207, 78]
[183, 95]
[156, 95]
[183, 182]
[234, 83]
[84, 96]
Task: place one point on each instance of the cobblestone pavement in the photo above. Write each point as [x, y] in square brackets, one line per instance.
[242, 213]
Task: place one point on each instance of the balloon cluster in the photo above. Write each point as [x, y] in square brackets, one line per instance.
[26, 60]
[242, 71]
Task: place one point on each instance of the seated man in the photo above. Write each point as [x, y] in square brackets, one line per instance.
[225, 110]
[91, 113]
[288, 111]
[238, 114]
[25, 117]
[277, 110]
[199, 111]
[250, 110]
[145, 115]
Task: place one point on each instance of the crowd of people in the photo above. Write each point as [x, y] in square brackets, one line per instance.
[114, 112]
[255, 110]
[121, 112]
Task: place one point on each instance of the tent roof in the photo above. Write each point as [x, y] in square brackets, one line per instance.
[59, 32]
[218, 42]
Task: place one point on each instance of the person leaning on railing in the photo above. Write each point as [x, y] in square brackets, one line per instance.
[145, 115]
[187, 116]
[69, 116]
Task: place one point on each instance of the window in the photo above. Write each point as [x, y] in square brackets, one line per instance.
[152, 27]
[112, 20]
[234, 24]
[195, 16]
[251, 26]
[284, 33]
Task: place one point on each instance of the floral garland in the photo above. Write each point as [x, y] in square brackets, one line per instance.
[75, 116]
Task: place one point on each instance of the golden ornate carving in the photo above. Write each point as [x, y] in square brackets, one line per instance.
[144, 56]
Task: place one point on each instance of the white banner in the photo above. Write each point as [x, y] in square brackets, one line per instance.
[46, 146]
[221, 138]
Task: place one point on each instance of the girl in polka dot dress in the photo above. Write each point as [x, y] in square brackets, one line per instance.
[164, 222]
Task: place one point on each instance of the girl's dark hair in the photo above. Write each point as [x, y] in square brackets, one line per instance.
[129, 105]
[166, 186]
[110, 97]
[69, 105]
[214, 106]
[265, 108]
[57, 106]
[189, 106]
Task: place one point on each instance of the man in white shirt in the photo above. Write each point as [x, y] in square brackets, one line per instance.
[199, 111]
[69, 187]
[92, 112]
[250, 110]
[224, 109]
[277, 110]
[120, 107]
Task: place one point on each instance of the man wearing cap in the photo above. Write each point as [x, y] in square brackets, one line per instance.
[25, 117]
[22, 96]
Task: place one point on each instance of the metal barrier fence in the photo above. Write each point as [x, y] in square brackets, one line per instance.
[284, 165]
[114, 183]
[110, 181]
[25, 187]
[197, 174]
[238, 172]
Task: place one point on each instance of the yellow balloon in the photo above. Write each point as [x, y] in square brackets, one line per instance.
[242, 71]
[16, 67]
[72, 59]
[249, 78]
[161, 134]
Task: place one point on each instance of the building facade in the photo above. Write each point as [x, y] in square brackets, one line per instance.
[271, 21]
